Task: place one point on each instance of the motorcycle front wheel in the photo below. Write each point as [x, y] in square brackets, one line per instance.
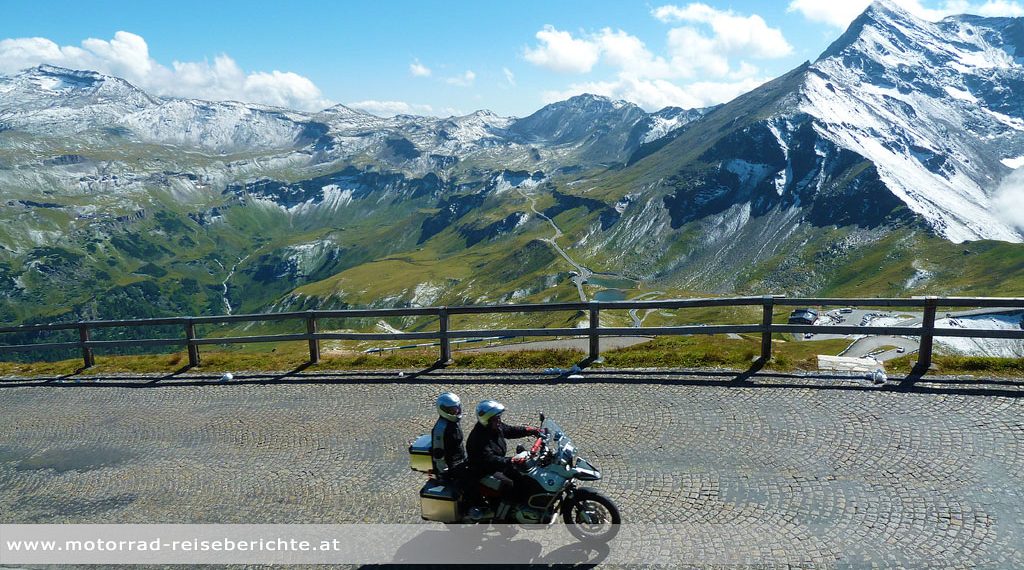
[591, 516]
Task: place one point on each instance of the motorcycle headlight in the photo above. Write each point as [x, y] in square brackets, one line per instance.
[568, 458]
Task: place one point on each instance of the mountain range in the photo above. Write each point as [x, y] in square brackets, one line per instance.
[885, 167]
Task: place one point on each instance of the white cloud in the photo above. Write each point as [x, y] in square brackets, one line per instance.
[563, 53]
[733, 34]
[510, 77]
[654, 94]
[417, 69]
[391, 108]
[464, 80]
[628, 53]
[840, 14]
[127, 56]
[1008, 201]
[705, 61]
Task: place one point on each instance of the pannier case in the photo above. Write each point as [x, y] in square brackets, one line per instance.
[439, 501]
[419, 454]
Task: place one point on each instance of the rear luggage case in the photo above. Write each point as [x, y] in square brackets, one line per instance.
[439, 501]
[419, 454]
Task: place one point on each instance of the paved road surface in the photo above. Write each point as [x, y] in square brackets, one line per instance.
[871, 344]
[822, 471]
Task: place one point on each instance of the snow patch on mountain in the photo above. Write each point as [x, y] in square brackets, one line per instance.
[960, 94]
[749, 174]
[335, 197]
[308, 257]
[216, 126]
[662, 126]
[425, 294]
[1013, 163]
[669, 119]
[506, 181]
[920, 276]
[384, 326]
[783, 177]
[1002, 348]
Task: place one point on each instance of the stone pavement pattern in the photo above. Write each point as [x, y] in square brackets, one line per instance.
[826, 471]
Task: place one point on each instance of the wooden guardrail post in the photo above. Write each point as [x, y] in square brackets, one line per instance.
[84, 337]
[924, 355]
[444, 340]
[193, 348]
[314, 342]
[768, 313]
[595, 336]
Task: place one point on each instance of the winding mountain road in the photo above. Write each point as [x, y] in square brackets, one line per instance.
[582, 273]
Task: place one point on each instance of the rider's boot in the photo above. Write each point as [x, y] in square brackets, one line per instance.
[481, 513]
[503, 512]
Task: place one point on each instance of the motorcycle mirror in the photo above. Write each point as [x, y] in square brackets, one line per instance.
[520, 448]
[542, 417]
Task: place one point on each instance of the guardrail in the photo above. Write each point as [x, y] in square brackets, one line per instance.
[444, 335]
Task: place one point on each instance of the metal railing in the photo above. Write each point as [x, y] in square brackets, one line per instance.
[445, 334]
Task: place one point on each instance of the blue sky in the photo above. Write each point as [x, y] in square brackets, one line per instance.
[440, 57]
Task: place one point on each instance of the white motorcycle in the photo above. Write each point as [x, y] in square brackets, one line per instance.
[551, 467]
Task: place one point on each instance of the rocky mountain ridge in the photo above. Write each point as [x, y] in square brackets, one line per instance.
[881, 158]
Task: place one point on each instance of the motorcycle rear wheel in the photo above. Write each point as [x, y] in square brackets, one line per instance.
[591, 516]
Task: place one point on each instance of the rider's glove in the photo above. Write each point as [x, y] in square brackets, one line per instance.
[520, 458]
[534, 431]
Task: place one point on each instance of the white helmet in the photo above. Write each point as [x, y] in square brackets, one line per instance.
[449, 406]
[488, 410]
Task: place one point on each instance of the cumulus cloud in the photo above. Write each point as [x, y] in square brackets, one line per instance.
[561, 52]
[705, 61]
[126, 55]
[840, 14]
[464, 80]
[732, 34]
[654, 94]
[1009, 199]
[391, 108]
[628, 52]
[417, 69]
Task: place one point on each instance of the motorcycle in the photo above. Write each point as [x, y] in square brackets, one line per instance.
[552, 467]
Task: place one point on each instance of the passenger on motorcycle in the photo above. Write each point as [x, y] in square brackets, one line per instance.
[486, 448]
[447, 453]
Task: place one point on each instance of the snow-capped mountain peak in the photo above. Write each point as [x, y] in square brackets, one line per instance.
[51, 100]
[47, 86]
[932, 106]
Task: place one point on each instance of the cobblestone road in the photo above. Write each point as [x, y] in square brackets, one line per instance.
[830, 471]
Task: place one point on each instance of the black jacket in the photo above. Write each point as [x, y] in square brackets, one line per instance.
[446, 448]
[486, 447]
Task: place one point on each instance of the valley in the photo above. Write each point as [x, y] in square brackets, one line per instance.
[858, 174]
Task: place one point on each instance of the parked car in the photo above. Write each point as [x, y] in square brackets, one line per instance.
[846, 310]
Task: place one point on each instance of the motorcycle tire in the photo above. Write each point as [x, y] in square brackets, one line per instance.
[582, 507]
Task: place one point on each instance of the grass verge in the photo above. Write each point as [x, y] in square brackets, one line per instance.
[964, 365]
[662, 352]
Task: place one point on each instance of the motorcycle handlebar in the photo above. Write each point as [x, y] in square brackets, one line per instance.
[537, 445]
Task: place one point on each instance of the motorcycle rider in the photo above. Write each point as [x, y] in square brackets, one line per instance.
[447, 453]
[486, 448]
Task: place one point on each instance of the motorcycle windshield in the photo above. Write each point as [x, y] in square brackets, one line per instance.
[558, 437]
